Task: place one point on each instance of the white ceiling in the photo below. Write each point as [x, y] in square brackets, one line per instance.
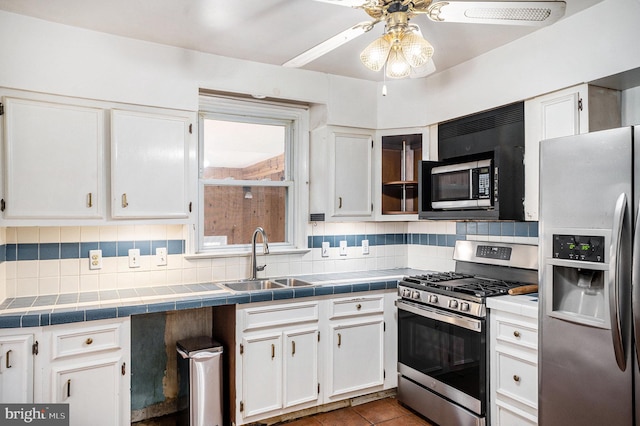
[267, 31]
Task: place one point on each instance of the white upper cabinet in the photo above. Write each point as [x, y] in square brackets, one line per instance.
[572, 111]
[149, 164]
[341, 173]
[53, 159]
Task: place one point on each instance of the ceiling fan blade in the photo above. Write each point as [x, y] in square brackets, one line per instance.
[330, 44]
[532, 13]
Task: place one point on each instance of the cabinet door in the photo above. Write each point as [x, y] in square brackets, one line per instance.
[16, 369]
[261, 374]
[91, 389]
[352, 158]
[54, 160]
[149, 165]
[300, 366]
[356, 356]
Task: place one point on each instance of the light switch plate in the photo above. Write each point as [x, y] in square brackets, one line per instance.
[134, 258]
[161, 256]
[95, 259]
[365, 246]
[343, 248]
[325, 249]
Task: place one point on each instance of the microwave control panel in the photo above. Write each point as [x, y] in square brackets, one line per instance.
[482, 182]
[579, 247]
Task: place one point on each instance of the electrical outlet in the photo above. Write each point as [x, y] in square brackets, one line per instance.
[134, 258]
[95, 259]
[325, 249]
[161, 256]
[343, 248]
[365, 246]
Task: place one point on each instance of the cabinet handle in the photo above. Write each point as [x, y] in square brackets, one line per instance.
[358, 306]
[123, 369]
[7, 361]
[125, 203]
[88, 341]
[516, 378]
[273, 351]
[516, 334]
[293, 347]
[339, 339]
[339, 202]
[90, 200]
[68, 388]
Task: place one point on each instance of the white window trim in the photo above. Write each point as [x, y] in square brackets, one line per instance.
[298, 210]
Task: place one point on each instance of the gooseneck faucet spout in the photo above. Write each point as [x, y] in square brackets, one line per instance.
[265, 250]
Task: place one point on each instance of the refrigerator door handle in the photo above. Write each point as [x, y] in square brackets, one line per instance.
[635, 282]
[614, 281]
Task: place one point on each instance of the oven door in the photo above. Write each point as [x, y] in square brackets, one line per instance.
[444, 352]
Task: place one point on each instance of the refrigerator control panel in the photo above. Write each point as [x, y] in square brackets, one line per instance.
[579, 247]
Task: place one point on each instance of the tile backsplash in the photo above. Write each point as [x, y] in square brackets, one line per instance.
[36, 261]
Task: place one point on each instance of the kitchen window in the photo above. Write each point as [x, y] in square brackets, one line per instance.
[252, 159]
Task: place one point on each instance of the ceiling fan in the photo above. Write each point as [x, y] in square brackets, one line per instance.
[402, 49]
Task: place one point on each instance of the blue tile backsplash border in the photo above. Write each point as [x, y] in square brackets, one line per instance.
[463, 229]
[52, 251]
[79, 250]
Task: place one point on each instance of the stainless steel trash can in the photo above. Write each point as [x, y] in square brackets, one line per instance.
[203, 357]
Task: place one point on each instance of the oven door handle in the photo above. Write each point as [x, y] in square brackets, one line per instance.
[439, 315]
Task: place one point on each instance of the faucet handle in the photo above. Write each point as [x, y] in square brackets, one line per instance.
[260, 268]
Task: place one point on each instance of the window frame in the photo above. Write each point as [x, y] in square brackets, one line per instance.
[296, 120]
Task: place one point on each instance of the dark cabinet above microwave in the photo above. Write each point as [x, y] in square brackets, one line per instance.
[480, 172]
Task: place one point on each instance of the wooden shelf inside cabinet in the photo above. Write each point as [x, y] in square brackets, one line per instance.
[401, 156]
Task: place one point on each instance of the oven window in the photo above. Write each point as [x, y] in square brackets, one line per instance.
[451, 186]
[451, 354]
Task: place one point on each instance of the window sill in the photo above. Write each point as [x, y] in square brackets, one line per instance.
[239, 253]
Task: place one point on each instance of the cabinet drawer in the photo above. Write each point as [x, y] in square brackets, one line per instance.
[517, 379]
[357, 306]
[510, 417]
[285, 314]
[517, 332]
[85, 340]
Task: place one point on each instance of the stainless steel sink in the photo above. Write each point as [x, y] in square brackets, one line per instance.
[253, 285]
[265, 284]
[292, 282]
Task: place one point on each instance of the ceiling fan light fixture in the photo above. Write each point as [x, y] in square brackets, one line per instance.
[397, 65]
[416, 49]
[375, 55]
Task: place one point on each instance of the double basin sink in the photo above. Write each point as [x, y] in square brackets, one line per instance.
[265, 284]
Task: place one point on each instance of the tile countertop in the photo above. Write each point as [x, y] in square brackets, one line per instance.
[523, 304]
[36, 311]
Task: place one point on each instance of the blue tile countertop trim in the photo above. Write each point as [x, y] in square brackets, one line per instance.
[69, 308]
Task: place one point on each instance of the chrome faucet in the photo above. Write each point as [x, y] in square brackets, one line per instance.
[265, 250]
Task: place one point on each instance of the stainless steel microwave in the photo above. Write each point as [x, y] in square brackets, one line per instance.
[460, 186]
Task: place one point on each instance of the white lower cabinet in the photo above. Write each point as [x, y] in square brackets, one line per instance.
[514, 368]
[355, 351]
[16, 367]
[87, 366]
[277, 359]
[295, 355]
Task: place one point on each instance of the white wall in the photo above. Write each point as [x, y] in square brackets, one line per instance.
[595, 43]
[53, 58]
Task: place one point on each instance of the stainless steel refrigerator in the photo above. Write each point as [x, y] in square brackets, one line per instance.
[589, 195]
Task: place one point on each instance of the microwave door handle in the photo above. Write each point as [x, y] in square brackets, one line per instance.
[614, 281]
[635, 283]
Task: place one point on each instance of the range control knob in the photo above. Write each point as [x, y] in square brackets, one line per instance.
[406, 292]
[464, 306]
[415, 294]
[453, 304]
[433, 298]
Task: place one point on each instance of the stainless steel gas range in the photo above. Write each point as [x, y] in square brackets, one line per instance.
[443, 332]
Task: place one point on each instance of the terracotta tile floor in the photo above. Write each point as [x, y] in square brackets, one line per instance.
[384, 412]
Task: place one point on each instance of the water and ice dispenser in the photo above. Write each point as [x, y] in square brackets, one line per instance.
[578, 274]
